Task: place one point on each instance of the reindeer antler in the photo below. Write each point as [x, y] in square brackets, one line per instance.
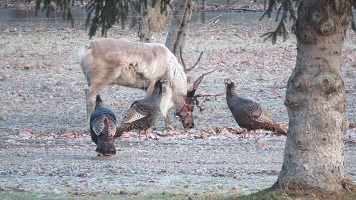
[206, 98]
[183, 63]
[209, 95]
[196, 84]
[200, 78]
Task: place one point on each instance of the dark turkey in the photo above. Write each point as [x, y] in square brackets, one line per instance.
[248, 114]
[103, 129]
[143, 113]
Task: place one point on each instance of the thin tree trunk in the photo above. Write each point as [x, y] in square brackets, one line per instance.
[202, 15]
[315, 99]
[144, 29]
[140, 17]
[179, 25]
[158, 20]
[135, 15]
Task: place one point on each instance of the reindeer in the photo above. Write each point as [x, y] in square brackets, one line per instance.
[110, 61]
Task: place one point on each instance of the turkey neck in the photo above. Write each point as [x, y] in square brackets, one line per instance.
[157, 93]
[230, 91]
[99, 105]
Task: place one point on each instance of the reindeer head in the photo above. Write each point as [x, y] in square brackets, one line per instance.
[185, 114]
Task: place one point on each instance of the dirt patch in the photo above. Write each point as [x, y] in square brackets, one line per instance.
[45, 143]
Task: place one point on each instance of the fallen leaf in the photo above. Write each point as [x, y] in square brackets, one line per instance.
[26, 133]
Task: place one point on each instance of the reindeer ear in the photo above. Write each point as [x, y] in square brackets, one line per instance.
[191, 93]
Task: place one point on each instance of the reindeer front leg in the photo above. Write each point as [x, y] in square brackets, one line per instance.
[166, 104]
[150, 88]
[168, 123]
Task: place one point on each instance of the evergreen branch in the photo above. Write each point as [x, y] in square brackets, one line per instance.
[37, 6]
[273, 35]
[284, 9]
[269, 10]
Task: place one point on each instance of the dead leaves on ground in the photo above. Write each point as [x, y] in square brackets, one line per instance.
[223, 129]
[208, 133]
[29, 134]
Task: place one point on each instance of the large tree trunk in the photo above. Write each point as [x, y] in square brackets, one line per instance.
[179, 25]
[315, 98]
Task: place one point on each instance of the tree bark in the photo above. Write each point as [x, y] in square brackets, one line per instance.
[315, 99]
[202, 12]
[179, 25]
[158, 21]
[140, 17]
[148, 19]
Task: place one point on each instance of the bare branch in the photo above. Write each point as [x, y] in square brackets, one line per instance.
[183, 63]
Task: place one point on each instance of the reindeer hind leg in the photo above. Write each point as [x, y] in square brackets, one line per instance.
[87, 103]
[90, 94]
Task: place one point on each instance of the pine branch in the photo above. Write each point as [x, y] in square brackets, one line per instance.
[284, 9]
[105, 14]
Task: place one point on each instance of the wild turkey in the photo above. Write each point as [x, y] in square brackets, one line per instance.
[103, 129]
[249, 114]
[143, 113]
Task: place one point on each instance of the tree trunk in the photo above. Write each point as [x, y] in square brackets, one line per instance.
[315, 99]
[144, 31]
[202, 13]
[140, 17]
[148, 19]
[157, 20]
[179, 25]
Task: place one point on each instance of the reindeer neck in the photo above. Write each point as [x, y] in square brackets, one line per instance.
[177, 78]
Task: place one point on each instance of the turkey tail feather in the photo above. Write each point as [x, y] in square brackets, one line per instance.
[279, 130]
[275, 128]
[119, 132]
[121, 129]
